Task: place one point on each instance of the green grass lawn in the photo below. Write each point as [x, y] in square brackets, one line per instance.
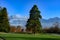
[12, 36]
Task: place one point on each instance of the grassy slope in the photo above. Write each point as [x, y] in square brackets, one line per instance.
[10, 36]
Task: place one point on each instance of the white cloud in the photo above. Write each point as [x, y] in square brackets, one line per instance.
[18, 20]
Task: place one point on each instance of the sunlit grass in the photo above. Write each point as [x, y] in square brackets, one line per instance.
[13, 36]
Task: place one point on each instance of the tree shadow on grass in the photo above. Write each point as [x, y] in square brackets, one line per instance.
[41, 38]
[2, 38]
[32, 38]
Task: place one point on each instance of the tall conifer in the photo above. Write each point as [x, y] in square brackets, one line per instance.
[33, 24]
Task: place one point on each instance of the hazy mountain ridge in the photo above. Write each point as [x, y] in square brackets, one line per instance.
[50, 22]
[15, 20]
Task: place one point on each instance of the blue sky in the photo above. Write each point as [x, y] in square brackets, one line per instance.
[48, 8]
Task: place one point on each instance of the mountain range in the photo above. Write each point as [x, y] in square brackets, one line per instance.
[18, 20]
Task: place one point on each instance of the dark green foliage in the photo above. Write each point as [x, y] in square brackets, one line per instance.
[4, 23]
[33, 23]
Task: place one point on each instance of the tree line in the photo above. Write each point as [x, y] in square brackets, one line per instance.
[54, 29]
[33, 24]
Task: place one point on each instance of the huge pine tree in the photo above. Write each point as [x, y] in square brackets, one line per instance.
[4, 22]
[33, 24]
